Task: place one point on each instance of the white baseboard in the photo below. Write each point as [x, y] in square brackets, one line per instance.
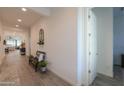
[61, 78]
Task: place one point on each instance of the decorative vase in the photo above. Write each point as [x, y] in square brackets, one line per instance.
[43, 69]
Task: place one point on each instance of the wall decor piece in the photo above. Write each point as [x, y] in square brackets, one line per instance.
[41, 37]
[4, 42]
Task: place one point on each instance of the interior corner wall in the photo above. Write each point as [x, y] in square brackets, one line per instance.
[105, 40]
[60, 42]
[118, 39]
[1, 43]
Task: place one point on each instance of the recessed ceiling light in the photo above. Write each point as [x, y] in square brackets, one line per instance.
[19, 20]
[24, 9]
[17, 25]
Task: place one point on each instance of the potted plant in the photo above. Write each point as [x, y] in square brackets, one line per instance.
[43, 65]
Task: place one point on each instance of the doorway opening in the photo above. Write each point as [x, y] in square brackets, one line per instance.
[118, 38]
[107, 72]
[96, 60]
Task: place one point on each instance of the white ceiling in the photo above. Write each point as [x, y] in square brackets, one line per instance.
[9, 16]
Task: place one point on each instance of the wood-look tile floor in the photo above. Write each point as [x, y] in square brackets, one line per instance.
[15, 70]
[117, 80]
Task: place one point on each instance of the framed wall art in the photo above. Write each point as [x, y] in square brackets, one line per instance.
[41, 37]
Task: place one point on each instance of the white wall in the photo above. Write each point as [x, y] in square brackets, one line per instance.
[34, 36]
[1, 43]
[118, 39]
[22, 33]
[61, 36]
[62, 43]
[105, 40]
[82, 63]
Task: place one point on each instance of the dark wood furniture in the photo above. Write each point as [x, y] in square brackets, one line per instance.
[22, 51]
[122, 60]
[34, 60]
[6, 50]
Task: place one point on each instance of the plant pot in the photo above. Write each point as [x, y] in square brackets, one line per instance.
[43, 69]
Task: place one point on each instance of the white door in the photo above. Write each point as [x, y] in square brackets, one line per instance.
[92, 46]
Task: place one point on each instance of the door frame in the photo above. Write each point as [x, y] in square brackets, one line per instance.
[82, 44]
[91, 45]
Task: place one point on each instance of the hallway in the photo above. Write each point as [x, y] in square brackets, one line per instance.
[15, 70]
